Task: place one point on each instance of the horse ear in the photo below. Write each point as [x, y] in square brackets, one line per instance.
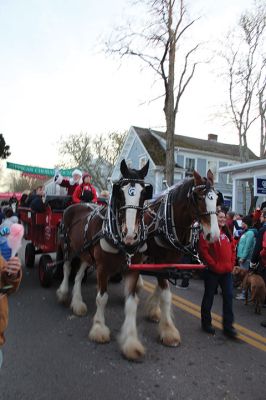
[124, 169]
[197, 178]
[210, 176]
[144, 170]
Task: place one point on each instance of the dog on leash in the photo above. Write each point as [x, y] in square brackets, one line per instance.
[254, 284]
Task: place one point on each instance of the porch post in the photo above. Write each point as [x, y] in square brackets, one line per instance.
[234, 195]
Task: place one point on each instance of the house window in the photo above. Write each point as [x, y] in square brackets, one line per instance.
[142, 162]
[212, 165]
[190, 166]
[229, 179]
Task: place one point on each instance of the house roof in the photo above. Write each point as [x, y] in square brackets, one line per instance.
[157, 152]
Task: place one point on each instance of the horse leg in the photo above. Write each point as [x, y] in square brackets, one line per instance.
[140, 284]
[62, 291]
[78, 307]
[130, 344]
[99, 332]
[152, 306]
[169, 335]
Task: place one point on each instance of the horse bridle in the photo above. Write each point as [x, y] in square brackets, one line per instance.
[192, 195]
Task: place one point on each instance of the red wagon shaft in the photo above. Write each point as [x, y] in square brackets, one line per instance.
[148, 267]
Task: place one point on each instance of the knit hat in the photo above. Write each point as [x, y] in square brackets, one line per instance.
[77, 172]
[84, 175]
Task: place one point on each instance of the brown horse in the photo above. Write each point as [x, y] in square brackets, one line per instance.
[169, 220]
[109, 237]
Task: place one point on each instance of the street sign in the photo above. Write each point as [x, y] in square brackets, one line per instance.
[259, 185]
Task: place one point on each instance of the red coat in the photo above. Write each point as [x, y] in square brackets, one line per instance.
[70, 188]
[80, 189]
[219, 256]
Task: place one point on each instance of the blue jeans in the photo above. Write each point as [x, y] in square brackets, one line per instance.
[211, 281]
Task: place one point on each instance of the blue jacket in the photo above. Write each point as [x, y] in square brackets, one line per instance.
[246, 245]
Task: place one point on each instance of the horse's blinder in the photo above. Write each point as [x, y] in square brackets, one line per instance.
[148, 191]
[206, 188]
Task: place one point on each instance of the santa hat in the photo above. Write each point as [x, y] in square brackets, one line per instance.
[77, 172]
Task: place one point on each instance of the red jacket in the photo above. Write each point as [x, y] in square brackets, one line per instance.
[219, 256]
[79, 191]
[70, 188]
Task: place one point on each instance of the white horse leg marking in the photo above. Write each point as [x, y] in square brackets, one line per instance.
[152, 307]
[62, 291]
[99, 332]
[169, 335]
[130, 345]
[77, 305]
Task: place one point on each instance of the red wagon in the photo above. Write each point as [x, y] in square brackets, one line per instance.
[41, 229]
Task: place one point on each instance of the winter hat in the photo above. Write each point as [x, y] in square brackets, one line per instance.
[77, 172]
[84, 175]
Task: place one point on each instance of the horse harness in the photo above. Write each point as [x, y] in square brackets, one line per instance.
[109, 230]
[164, 229]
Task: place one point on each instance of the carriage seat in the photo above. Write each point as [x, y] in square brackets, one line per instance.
[58, 203]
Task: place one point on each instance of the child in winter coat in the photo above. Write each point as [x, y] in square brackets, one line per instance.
[85, 192]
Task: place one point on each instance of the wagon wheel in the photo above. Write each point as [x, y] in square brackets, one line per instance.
[29, 255]
[45, 271]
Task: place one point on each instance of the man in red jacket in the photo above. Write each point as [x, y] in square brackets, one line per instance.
[69, 184]
[85, 192]
[219, 257]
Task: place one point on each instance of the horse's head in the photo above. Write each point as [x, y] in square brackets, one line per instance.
[131, 192]
[205, 202]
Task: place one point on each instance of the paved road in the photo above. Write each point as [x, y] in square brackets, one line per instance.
[48, 354]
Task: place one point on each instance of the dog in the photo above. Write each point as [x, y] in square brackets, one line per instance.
[256, 285]
[238, 275]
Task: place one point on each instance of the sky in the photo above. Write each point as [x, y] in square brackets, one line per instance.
[56, 80]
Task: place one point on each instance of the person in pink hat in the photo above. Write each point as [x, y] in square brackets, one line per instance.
[70, 184]
[85, 192]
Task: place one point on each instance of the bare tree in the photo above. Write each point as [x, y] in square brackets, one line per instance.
[245, 64]
[161, 45]
[96, 155]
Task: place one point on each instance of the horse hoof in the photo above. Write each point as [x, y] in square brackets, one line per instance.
[79, 309]
[170, 337]
[99, 333]
[133, 350]
[154, 315]
[62, 297]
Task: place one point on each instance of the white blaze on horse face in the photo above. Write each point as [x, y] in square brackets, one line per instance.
[132, 198]
[212, 231]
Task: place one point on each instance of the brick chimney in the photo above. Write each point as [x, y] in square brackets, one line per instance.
[212, 137]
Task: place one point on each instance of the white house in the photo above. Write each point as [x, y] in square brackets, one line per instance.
[191, 154]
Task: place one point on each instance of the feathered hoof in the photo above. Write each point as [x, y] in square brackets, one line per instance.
[99, 333]
[79, 309]
[170, 337]
[62, 297]
[154, 314]
[132, 349]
